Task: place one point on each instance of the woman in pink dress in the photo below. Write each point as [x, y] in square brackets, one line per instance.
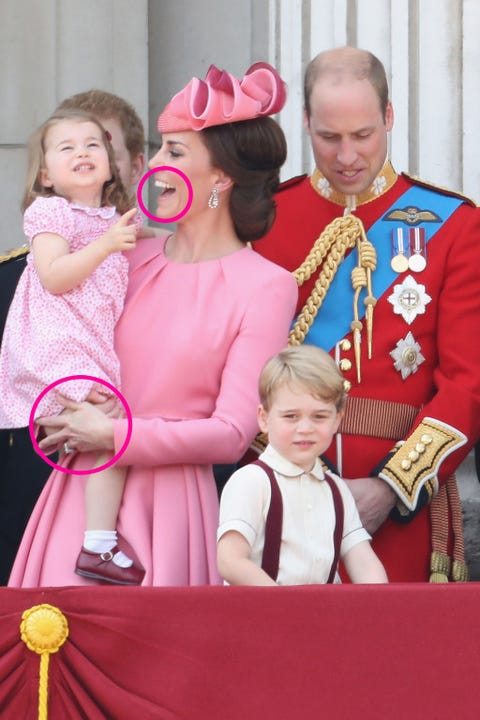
[203, 313]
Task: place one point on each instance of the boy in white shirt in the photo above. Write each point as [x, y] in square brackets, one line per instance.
[297, 535]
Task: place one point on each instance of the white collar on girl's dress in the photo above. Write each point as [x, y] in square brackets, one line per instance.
[106, 211]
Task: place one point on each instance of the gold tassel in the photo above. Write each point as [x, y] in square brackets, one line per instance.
[446, 514]
[439, 567]
[327, 253]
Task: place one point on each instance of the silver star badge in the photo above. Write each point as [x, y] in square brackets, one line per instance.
[407, 356]
[409, 299]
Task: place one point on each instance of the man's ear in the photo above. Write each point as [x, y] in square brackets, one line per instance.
[138, 165]
[389, 116]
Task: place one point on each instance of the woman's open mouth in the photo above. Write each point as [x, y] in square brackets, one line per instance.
[165, 188]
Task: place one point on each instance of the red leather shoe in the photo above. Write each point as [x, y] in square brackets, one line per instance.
[99, 566]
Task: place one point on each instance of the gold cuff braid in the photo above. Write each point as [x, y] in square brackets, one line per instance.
[416, 462]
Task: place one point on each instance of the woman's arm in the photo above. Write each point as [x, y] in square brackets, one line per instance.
[87, 425]
[60, 270]
[226, 434]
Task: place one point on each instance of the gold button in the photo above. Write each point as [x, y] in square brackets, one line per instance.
[406, 464]
[345, 365]
[427, 439]
[413, 455]
[345, 345]
[420, 447]
[347, 385]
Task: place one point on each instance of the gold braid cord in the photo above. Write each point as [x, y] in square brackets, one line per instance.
[328, 251]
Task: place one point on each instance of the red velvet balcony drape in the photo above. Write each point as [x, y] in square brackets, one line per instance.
[393, 651]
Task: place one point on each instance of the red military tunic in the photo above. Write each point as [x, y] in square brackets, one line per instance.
[434, 371]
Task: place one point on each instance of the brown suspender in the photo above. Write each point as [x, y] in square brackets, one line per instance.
[273, 526]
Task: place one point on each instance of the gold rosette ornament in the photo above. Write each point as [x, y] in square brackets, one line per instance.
[43, 629]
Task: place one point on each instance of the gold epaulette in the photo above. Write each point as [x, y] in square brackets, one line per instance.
[416, 462]
[14, 254]
[443, 190]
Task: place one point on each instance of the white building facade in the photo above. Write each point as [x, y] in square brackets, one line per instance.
[148, 49]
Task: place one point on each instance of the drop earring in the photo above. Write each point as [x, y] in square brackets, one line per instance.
[213, 200]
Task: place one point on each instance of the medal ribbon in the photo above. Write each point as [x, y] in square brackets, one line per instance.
[332, 323]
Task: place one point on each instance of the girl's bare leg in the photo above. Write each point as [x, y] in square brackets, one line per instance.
[103, 496]
[100, 557]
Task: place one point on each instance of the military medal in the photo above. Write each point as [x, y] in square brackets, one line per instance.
[399, 261]
[407, 356]
[409, 299]
[417, 260]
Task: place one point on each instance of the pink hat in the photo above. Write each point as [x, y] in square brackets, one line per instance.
[221, 99]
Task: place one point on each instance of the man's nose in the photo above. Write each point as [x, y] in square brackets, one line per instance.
[347, 153]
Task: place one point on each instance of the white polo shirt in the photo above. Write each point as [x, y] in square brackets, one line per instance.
[307, 548]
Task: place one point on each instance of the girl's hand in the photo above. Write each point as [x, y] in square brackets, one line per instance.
[122, 235]
[84, 426]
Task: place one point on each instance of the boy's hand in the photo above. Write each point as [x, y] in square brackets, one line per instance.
[122, 235]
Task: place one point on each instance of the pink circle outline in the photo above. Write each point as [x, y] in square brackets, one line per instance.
[142, 182]
[68, 470]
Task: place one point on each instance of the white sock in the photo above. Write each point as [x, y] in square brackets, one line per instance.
[100, 541]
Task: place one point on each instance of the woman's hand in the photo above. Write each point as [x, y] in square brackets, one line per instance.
[83, 425]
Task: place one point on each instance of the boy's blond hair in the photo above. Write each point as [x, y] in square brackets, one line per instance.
[308, 366]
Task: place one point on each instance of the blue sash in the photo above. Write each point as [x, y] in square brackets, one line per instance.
[333, 319]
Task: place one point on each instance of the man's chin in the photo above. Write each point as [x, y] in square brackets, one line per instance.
[352, 188]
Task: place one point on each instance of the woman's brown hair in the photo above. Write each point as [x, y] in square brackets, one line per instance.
[251, 153]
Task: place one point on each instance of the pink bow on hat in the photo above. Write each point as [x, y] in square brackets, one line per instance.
[221, 98]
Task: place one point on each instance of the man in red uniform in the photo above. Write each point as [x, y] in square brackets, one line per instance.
[398, 307]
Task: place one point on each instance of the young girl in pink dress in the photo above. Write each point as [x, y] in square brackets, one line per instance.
[61, 322]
